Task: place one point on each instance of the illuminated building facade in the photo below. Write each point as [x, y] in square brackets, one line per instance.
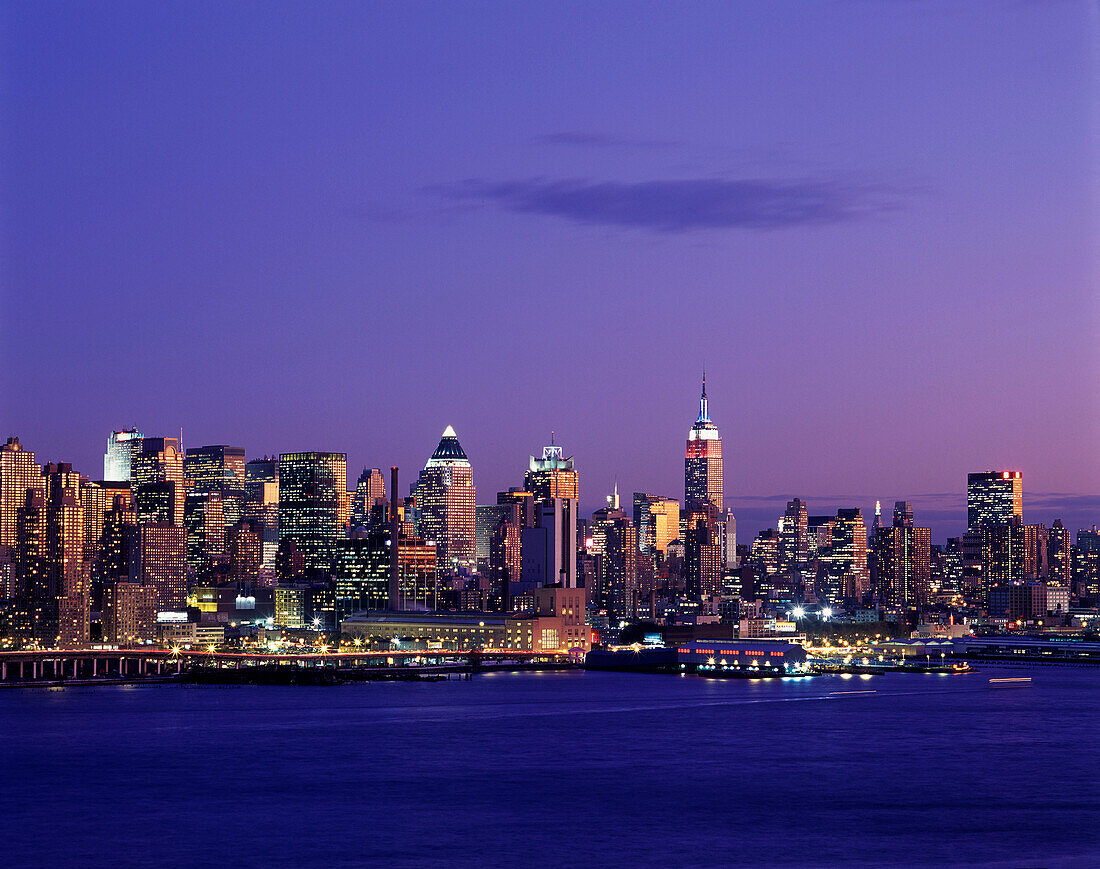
[994, 498]
[129, 613]
[205, 522]
[657, 520]
[158, 558]
[311, 487]
[370, 492]
[617, 567]
[18, 473]
[793, 549]
[552, 476]
[703, 460]
[446, 503]
[116, 461]
[903, 558]
[157, 480]
[848, 577]
[1059, 568]
[215, 468]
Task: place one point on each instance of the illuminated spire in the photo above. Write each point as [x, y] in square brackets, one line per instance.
[704, 411]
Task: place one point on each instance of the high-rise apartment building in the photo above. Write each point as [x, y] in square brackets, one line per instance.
[370, 491]
[1059, 569]
[158, 558]
[18, 473]
[116, 461]
[994, 498]
[703, 460]
[311, 487]
[446, 503]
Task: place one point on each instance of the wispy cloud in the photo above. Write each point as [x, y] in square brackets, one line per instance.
[679, 205]
[591, 139]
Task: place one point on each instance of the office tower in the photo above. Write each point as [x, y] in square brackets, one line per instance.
[618, 568]
[129, 613]
[18, 473]
[601, 521]
[657, 521]
[218, 468]
[903, 560]
[793, 536]
[205, 522]
[550, 548]
[1058, 554]
[1085, 564]
[703, 552]
[363, 572]
[215, 468]
[158, 559]
[994, 498]
[703, 460]
[552, 476]
[261, 480]
[116, 461]
[488, 516]
[370, 491]
[526, 502]
[311, 487]
[446, 503]
[848, 577]
[157, 480]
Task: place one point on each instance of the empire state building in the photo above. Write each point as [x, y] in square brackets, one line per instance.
[703, 460]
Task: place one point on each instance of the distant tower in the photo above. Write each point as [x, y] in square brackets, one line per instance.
[446, 504]
[116, 461]
[552, 476]
[703, 460]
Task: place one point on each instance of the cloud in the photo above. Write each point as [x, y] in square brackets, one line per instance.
[588, 139]
[680, 205]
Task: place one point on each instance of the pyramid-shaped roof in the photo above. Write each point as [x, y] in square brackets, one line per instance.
[449, 451]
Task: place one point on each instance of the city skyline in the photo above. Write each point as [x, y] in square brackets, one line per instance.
[944, 512]
[890, 280]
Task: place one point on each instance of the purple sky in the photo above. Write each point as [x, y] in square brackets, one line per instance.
[344, 226]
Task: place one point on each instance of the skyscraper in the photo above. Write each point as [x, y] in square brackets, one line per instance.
[550, 548]
[215, 468]
[552, 476]
[848, 576]
[903, 560]
[657, 521]
[370, 490]
[158, 558]
[311, 486]
[116, 461]
[793, 535]
[446, 503]
[994, 498]
[157, 479]
[1058, 554]
[18, 473]
[703, 460]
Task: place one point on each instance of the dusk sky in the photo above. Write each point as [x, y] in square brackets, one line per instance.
[344, 226]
